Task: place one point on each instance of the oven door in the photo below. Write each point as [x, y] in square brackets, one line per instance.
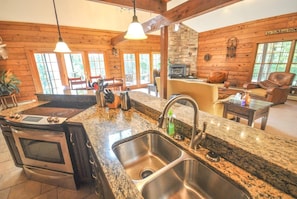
[43, 149]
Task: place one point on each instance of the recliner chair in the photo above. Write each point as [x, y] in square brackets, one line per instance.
[275, 89]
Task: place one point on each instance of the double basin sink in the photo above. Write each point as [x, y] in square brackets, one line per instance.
[161, 169]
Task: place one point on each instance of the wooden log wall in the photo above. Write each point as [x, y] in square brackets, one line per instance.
[24, 38]
[249, 35]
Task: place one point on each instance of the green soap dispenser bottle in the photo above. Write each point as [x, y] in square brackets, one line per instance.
[170, 127]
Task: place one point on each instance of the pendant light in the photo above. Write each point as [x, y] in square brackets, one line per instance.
[135, 29]
[61, 46]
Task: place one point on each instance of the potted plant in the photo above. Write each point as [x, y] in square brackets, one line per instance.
[8, 83]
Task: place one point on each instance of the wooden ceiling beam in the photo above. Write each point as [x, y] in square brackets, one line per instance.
[154, 6]
[182, 12]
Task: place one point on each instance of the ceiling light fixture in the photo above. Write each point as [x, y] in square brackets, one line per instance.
[135, 29]
[61, 46]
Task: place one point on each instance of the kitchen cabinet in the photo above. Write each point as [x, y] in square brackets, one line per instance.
[102, 188]
[85, 161]
[79, 152]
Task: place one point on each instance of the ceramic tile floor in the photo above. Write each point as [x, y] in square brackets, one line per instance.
[15, 185]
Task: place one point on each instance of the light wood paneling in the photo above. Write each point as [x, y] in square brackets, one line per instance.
[248, 35]
[24, 38]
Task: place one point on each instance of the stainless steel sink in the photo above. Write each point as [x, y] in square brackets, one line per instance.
[191, 179]
[160, 169]
[143, 155]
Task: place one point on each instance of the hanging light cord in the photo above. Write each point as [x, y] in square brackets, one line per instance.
[134, 7]
[60, 37]
[134, 16]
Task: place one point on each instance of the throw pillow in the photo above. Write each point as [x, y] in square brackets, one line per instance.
[217, 77]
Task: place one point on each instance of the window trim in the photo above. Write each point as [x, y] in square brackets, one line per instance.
[137, 53]
[290, 57]
[62, 65]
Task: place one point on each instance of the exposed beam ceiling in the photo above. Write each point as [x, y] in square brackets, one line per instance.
[155, 6]
[187, 10]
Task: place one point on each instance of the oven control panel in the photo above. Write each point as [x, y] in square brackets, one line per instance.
[35, 119]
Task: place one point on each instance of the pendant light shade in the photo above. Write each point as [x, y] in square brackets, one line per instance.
[135, 29]
[61, 46]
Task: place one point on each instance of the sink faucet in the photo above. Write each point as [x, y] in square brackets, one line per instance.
[195, 138]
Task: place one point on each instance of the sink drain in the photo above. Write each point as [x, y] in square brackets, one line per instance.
[145, 173]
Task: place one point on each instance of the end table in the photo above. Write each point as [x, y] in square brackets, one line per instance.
[256, 109]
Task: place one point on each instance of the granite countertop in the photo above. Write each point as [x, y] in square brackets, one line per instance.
[105, 126]
[252, 149]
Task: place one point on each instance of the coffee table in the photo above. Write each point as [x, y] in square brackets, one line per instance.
[256, 109]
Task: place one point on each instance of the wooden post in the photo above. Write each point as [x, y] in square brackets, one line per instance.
[164, 62]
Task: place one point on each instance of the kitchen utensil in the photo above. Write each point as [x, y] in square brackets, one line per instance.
[125, 101]
[109, 96]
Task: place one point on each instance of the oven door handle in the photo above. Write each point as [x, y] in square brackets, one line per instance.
[37, 132]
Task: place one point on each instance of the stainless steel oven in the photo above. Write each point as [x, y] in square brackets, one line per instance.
[43, 148]
[42, 144]
[45, 156]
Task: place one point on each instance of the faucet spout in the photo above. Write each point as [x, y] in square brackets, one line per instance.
[162, 121]
[197, 139]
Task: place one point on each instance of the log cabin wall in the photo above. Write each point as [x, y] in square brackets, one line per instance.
[23, 39]
[249, 34]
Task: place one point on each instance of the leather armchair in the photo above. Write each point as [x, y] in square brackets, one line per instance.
[275, 89]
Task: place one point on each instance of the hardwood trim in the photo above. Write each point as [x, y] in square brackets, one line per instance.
[34, 70]
[290, 58]
[63, 69]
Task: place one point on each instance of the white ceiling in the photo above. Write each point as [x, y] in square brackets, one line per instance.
[243, 11]
[88, 14]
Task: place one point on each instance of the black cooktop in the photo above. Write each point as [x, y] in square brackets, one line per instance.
[57, 109]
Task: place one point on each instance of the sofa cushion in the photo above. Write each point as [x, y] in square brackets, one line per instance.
[217, 77]
[268, 84]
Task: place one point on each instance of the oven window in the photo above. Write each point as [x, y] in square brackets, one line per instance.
[42, 150]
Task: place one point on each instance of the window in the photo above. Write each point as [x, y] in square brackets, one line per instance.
[271, 57]
[74, 65]
[48, 70]
[130, 69]
[144, 61]
[156, 61]
[293, 68]
[97, 64]
[138, 68]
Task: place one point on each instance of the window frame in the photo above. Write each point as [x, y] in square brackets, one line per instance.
[137, 61]
[288, 63]
[62, 65]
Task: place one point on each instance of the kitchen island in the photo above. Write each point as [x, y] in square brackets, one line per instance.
[106, 126]
[240, 146]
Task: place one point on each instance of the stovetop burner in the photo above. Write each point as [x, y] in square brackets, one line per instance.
[57, 109]
[52, 111]
[50, 114]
